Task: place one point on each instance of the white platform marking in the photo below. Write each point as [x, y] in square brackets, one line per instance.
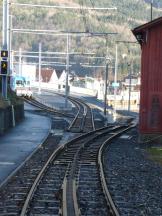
[125, 137]
[6, 163]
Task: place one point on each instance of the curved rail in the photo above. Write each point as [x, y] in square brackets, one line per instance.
[45, 167]
[28, 158]
[110, 202]
[37, 180]
[71, 206]
[77, 115]
[46, 108]
[71, 203]
[72, 149]
[83, 121]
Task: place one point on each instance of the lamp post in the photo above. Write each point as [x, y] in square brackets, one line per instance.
[130, 83]
[10, 45]
[20, 62]
[130, 79]
[40, 60]
[67, 73]
[115, 78]
[106, 85]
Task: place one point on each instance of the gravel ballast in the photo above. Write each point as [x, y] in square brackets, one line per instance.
[134, 180]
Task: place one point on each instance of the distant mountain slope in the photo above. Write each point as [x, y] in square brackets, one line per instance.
[156, 3]
[129, 14]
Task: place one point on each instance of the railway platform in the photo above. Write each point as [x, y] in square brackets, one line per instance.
[19, 142]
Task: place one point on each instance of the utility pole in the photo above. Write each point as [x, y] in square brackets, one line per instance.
[10, 46]
[20, 62]
[67, 73]
[151, 9]
[5, 38]
[106, 85]
[115, 77]
[130, 83]
[11, 62]
[40, 50]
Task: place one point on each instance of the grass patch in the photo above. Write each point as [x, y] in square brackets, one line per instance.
[156, 154]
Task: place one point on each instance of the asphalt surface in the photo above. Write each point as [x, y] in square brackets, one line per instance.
[19, 142]
[53, 100]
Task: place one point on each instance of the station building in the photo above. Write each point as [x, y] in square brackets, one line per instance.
[149, 36]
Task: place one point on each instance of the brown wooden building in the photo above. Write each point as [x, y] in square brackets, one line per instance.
[149, 36]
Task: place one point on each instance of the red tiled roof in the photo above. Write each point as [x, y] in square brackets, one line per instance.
[45, 74]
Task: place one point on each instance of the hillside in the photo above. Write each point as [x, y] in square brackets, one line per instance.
[129, 14]
[156, 3]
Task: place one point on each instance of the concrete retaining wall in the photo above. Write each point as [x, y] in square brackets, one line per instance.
[10, 116]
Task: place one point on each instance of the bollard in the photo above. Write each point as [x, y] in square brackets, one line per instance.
[13, 116]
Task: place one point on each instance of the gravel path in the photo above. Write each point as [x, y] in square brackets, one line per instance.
[135, 180]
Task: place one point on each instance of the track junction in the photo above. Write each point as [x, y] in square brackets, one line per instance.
[67, 179]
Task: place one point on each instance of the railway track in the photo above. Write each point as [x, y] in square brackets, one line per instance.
[76, 166]
[15, 189]
[47, 109]
[83, 121]
[85, 183]
[66, 182]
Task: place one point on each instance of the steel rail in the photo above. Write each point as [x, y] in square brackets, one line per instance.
[22, 168]
[37, 180]
[79, 103]
[91, 116]
[110, 202]
[83, 115]
[76, 207]
[86, 108]
[70, 204]
[45, 167]
[92, 119]
[77, 115]
[82, 103]
[53, 156]
[73, 102]
[28, 158]
[46, 108]
[83, 119]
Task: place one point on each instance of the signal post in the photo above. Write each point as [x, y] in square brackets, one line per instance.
[5, 46]
[4, 72]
